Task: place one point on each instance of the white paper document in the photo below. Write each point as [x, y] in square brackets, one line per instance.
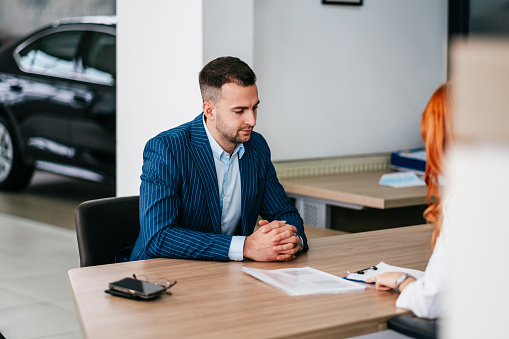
[303, 281]
[381, 268]
[401, 179]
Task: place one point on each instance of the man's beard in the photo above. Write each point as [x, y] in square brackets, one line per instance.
[230, 134]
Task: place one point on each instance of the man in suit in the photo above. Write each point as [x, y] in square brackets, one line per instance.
[205, 183]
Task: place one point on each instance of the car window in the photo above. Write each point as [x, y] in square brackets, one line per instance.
[53, 54]
[99, 63]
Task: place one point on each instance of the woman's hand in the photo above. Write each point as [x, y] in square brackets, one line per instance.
[387, 281]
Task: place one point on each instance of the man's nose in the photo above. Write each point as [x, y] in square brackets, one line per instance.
[250, 118]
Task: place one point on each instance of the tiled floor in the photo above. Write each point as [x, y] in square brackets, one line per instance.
[35, 299]
[35, 255]
[52, 199]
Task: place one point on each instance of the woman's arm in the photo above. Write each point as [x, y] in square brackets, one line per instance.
[388, 281]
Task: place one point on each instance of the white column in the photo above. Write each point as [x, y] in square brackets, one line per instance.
[479, 180]
[159, 55]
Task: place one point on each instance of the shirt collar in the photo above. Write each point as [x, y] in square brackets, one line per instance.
[217, 150]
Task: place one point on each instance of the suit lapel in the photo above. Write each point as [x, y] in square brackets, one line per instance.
[203, 159]
[248, 180]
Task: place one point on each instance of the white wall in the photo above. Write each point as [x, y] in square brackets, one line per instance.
[228, 29]
[339, 80]
[159, 55]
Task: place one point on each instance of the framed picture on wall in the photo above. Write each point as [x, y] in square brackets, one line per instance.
[342, 2]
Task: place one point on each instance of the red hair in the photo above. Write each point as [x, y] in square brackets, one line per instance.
[436, 133]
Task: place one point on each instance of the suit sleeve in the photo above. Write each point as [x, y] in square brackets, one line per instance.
[276, 204]
[160, 203]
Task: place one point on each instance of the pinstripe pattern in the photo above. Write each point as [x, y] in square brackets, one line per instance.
[179, 201]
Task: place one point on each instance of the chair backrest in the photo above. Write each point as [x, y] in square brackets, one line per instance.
[413, 327]
[104, 227]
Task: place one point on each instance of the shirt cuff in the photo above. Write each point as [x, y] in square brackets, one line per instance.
[236, 251]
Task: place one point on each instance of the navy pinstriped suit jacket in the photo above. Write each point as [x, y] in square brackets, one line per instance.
[179, 196]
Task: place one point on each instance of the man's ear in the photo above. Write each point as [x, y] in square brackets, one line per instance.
[209, 110]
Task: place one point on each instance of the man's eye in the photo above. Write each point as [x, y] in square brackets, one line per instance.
[255, 108]
[239, 112]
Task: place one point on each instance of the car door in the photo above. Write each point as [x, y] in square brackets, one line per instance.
[93, 125]
[43, 94]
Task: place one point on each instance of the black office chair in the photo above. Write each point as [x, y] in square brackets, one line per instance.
[104, 227]
[413, 327]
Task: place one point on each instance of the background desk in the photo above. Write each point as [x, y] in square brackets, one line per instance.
[217, 300]
[314, 195]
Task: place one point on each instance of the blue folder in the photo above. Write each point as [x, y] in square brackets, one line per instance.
[409, 160]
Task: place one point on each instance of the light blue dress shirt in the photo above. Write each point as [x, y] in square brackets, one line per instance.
[228, 179]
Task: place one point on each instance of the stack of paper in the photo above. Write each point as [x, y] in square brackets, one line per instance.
[303, 281]
[401, 179]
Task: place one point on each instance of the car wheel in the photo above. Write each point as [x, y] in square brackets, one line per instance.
[14, 173]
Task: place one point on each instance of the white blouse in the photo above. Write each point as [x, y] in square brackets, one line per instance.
[425, 296]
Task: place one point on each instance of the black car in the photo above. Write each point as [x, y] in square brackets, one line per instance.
[57, 102]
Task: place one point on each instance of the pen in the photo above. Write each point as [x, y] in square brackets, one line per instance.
[374, 268]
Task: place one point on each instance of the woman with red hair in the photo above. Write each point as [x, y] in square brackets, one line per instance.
[424, 296]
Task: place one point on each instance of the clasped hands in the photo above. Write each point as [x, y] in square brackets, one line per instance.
[274, 241]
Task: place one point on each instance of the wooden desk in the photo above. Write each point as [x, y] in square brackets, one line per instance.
[354, 191]
[318, 232]
[217, 300]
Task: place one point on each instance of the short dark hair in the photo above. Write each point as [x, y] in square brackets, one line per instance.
[224, 70]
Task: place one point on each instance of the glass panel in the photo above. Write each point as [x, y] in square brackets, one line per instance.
[53, 54]
[99, 64]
